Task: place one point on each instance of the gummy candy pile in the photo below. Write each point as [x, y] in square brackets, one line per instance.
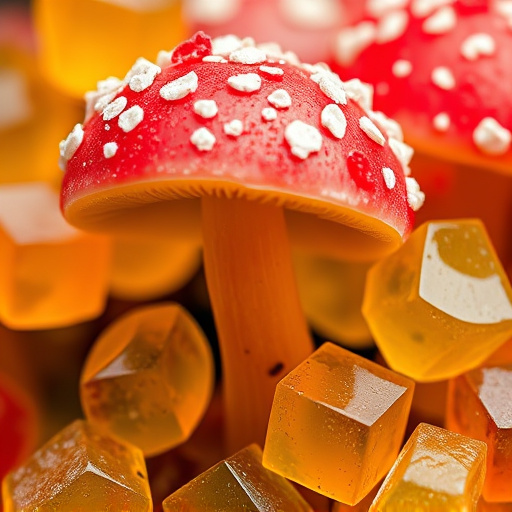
[255, 256]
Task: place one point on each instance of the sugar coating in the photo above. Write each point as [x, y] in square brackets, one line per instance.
[441, 22]
[389, 177]
[351, 41]
[280, 99]
[403, 153]
[492, 138]
[272, 70]
[303, 139]
[441, 122]
[334, 120]
[110, 149]
[215, 58]
[360, 92]
[142, 75]
[368, 127]
[391, 127]
[269, 114]
[391, 26]
[415, 197]
[203, 139]
[130, 118]
[401, 68]
[234, 128]
[114, 108]
[206, 108]
[180, 87]
[225, 45]
[246, 82]
[331, 85]
[478, 45]
[69, 146]
[249, 55]
[443, 78]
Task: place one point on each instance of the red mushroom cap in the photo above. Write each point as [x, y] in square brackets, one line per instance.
[443, 70]
[224, 119]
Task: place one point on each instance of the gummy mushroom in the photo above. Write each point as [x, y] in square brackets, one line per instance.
[251, 136]
[442, 70]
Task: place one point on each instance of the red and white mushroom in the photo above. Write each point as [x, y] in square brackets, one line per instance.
[246, 136]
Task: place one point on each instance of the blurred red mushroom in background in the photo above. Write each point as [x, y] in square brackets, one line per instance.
[248, 133]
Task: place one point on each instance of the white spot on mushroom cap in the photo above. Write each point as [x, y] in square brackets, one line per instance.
[351, 41]
[203, 139]
[415, 197]
[272, 70]
[269, 114]
[246, 82]
[130, 118]
[478, 45]
[368, 127]
[97, 100]
[303, 139]
[422, 8]
[361, 92]
[389, 177]
[234, 128]
[249, 55]
[403, 153]
[224, 45]
[443, 78]
[391, 127]
[206, 108]
[331, 85]
[280, 99]
[215, 58]
[311, 14]
[441, 22]
[142, 75]
[114, 108]
[69, 145]
[391, 26]
[334, 120]
[491, 137]
[110, 149]
[441, 122]
[180, 87]
[401, 68]
[377, 8]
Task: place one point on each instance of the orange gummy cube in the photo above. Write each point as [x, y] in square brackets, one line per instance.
[80, 470]
[480, 406]
[437, 471]
[337, 423]
[442, 303]
[84, 41]
[51, 274]
[241, 483]
[149, 378]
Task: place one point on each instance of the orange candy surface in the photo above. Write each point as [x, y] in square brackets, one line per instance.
[79, 470]
[337, 423]
[238, 483]
[442, 303]
[480, 406]
[437, 471]
[149, 378]
[51, 274]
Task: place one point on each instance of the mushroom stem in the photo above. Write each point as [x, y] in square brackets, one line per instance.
[260, 323]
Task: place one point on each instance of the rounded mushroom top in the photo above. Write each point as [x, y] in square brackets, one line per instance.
[226, 117]
[442, 69]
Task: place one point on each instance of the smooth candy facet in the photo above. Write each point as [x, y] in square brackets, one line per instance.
[80, 470]
[337, 423]
[480, 406]
[441, 304]
[149, 378]
[51, 275]
[239, 482]
[437, 471]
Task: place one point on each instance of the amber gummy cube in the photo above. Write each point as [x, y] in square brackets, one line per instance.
[149, 377]
[238, 483]
[51, 275]
[480, 406]
[80, 470]
[442, 303]
[337, 423]
[437, 471]
[74, 57]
